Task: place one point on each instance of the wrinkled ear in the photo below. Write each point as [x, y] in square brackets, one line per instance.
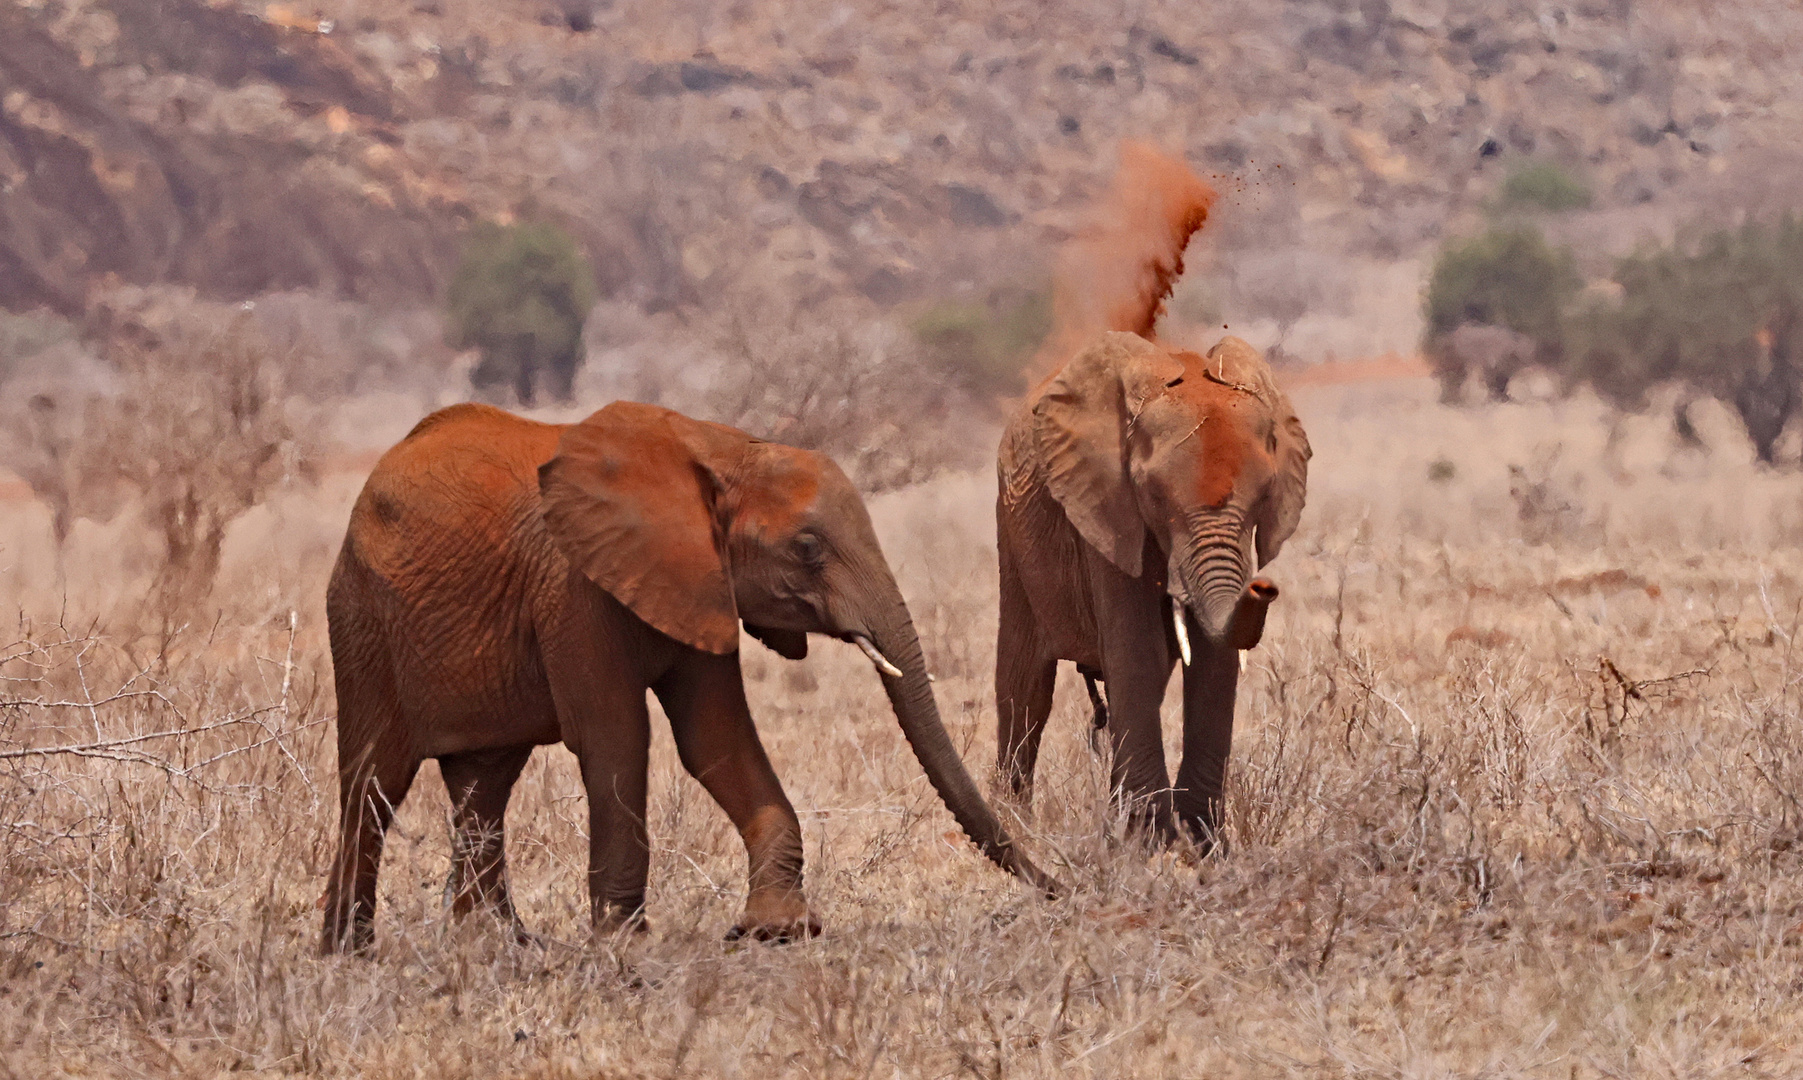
[1234, 363]
[788, 644]
[1289, 488]
[1081, 422]
[630, 501]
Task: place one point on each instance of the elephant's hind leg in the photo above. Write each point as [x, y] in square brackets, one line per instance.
[372, 781]
[1024, 679]
[376, 763]
[479, 783]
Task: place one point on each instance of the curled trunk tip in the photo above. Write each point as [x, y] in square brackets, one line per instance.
[911, 695]
[1241, 624]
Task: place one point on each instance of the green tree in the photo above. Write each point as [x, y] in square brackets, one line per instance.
[1721, 314]
[520, 297]
[1543, 185]
[1509, 277]
[985, 346]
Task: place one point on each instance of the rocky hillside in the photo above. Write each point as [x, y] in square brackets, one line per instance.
[806, 149]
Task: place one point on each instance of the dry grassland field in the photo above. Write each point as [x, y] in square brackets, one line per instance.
[1515, 793]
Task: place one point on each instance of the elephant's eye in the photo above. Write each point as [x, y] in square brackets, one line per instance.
[810, 549]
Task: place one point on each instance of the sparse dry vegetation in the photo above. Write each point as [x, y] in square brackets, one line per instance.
[1500, 807]
[1518, 783]
[189, 426]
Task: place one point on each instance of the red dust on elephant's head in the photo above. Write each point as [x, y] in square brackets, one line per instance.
[777, 495]
[1230, 446]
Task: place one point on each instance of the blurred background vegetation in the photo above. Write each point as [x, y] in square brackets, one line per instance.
[831, 223]
[520, 297]
[1544, 185]
[986, 345]
[1714, 311]
[1507, 278]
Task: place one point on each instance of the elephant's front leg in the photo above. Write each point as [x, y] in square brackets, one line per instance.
[705, 700]
[605, 721]
[1209, 685]
[1136, 664]
[1024, 679]
[614, 752]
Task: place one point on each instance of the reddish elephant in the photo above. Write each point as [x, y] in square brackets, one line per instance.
[506, 584]
[1141, 488]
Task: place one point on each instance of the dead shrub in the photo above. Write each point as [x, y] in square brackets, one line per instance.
[201, 436]
[832, 380]
[192, 429]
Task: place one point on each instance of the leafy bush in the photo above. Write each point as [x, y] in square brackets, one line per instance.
[986, 346]
[1721, 315]
[520, 297]
[1544, 186]
[1508, 277]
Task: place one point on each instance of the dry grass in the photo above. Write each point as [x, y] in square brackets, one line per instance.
[1500, 808]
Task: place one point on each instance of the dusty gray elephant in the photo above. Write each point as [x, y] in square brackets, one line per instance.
[1495, 354]
[507, 584]
[1140, 488]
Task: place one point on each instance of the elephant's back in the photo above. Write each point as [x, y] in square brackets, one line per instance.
[472, 443]
[457, 466]
[435, 583]
[453, 499]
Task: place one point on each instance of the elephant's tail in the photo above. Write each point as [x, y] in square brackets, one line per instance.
[1117, 273]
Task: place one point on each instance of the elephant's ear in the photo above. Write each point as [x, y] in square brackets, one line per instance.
[630, 501]
[1081, 421]
[1234, 363]
[1289, 489]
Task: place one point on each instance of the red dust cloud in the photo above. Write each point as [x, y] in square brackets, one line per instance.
[1117, 272]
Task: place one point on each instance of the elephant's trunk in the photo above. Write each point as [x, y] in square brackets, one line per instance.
[1209, 576]
[911, 694]
[1246, 625]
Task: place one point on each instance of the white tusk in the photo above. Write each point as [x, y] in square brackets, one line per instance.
[1177, 620]
[882, 662]
[1242, 661]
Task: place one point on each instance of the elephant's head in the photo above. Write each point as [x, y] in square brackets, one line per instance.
[696, 526]
[1201, 457]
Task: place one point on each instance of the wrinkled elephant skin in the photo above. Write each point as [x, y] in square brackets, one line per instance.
[1141, 487]
[506, 584]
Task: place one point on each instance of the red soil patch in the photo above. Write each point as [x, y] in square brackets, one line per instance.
[1339, 372]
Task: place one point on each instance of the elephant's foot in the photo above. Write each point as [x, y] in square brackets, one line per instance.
[616, 918]
[1200, 838]
[1149, 825]
[1212, 845]
[350, 933]
[523, 937]
[493, 905]
[778, 917]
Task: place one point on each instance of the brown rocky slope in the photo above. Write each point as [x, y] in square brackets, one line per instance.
[878, 151]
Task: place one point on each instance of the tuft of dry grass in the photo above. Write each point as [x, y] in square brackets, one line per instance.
[1507, 800]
